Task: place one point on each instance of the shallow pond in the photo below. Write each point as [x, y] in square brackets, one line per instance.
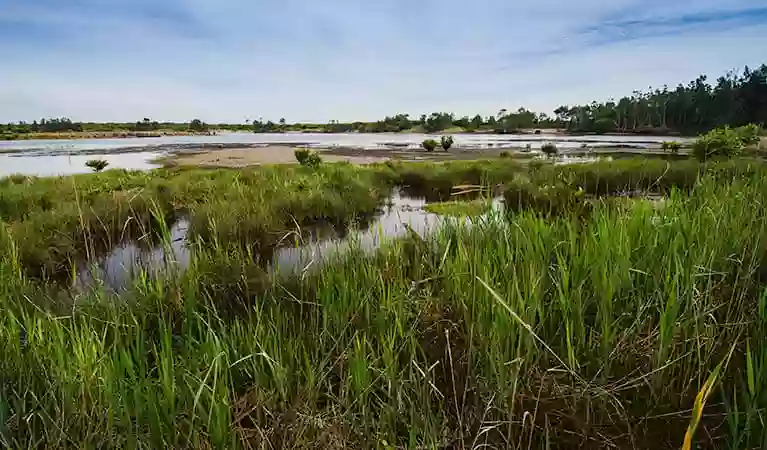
[54, 165]
[68, 156]
[356, 140]
[116, 270]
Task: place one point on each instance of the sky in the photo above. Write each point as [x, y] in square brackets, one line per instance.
[319, 60]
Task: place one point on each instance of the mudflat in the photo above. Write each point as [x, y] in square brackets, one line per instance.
[283, 154]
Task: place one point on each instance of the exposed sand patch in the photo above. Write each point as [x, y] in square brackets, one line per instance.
[243, 157]
[283, 154]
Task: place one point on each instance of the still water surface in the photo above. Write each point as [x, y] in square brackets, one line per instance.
[53, 165]
[65, 157]
[357, 140]
[117, 270]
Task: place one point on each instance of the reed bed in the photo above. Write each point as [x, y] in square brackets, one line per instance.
[640, 326]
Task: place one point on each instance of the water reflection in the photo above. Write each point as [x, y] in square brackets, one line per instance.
[354, 140]
[71, 164]
[117, 270]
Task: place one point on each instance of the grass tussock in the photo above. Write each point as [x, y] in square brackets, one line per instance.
[472, 208]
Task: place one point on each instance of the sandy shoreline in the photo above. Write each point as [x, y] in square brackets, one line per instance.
[235, 156]
[284, 154]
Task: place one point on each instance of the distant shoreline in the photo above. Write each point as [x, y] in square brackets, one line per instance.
[245, 156]
[84, 135]
[91, 135]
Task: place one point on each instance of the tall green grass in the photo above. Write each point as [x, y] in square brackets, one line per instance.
[58, 221]
[517, 332]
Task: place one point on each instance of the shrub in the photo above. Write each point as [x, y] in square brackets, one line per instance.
[308, 157]
[96, 164]
[749, 134]
[17, 178]
[447, 142]
[505, 154]
[549, 149]
[198, 125]
[429, 145]
[672, 146]
[721, 142]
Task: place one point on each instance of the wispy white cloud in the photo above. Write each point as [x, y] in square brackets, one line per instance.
[344, 59]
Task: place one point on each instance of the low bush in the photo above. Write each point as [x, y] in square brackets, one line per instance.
[429, 145]
[672, 146]
[723, 142]
[749, 134]
[308, 157]
[447, 142]
[550, 149]
[97, 164]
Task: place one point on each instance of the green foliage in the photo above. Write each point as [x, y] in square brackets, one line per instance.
[749, 134]
[726, 142]
[723, 142]
[604, 125]
[550, 199]
[55, 125]
[308, 157]
[146, 125]
[550, 149]
[437, 122]
[429, 145]
[472, 208]
[97, 165]
[420, 343]
[446, 142]
[672, 146]
[697, 106]
[505, 154]
[265, 127]
[198, 126]
[510, 122]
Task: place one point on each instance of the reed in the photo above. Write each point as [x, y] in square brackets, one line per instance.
[636, 326]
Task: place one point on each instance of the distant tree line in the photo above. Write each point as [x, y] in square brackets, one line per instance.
[504, 122]
[64, 124]
[736, 98]
[43, 126]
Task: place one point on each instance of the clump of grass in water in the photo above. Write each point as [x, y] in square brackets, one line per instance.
[472, 208]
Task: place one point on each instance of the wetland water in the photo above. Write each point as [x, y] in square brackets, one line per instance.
[53, 165]
[65, 157]
[116, 270]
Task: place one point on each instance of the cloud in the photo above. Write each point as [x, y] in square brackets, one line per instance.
[626, 28]
[228, 60]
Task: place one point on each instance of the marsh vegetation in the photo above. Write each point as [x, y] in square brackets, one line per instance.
[580, 315]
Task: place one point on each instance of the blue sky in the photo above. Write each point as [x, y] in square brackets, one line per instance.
[311, 60]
